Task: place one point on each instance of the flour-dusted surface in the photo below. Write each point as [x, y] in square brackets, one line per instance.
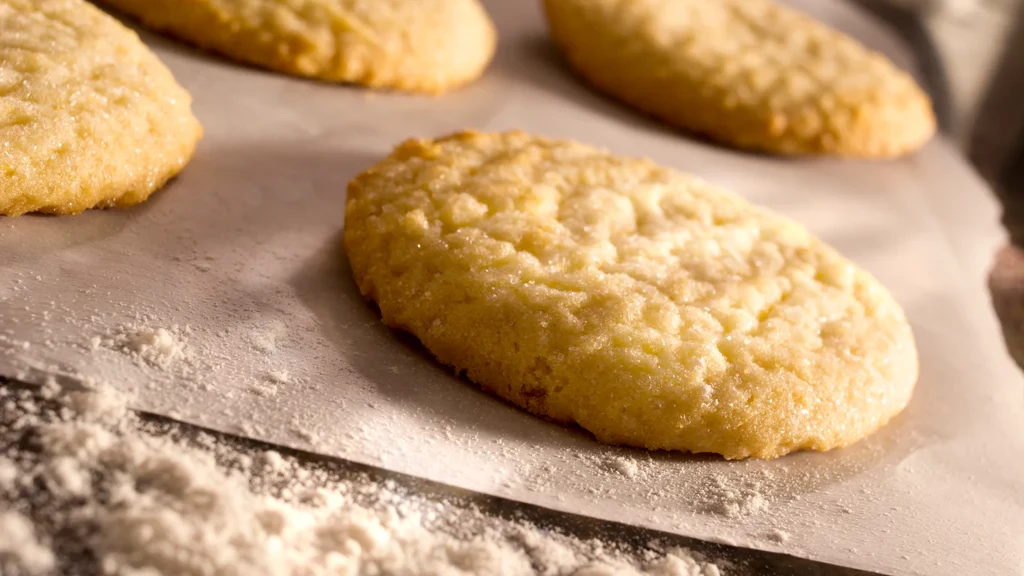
[116, 494]
[249, 237]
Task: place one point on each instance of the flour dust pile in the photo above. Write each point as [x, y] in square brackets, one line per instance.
[88, 487]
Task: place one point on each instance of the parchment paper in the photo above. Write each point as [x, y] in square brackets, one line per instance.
[244, 248]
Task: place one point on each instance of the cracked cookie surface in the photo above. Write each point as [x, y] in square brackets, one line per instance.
[419, 46]
[89, 117]
[747, 73]
[646, 305]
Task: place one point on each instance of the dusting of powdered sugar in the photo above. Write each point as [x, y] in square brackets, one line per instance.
[92, 488]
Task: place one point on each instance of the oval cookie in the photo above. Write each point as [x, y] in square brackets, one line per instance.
[747, 73]
[647, 306]
[421, 46]
[89, 117]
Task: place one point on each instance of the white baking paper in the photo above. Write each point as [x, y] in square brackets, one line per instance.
[241, 259]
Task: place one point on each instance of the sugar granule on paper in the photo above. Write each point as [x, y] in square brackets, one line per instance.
[160, 498]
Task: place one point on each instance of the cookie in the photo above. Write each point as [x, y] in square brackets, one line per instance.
[649, 307]
[418, 46]
[89, 117]
[747, 73]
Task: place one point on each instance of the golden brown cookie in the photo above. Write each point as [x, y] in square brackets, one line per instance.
[89, 117]
[419, 46]
[649, 307]
[747, 73]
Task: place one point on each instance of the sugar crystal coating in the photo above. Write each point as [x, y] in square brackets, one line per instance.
[88, 115]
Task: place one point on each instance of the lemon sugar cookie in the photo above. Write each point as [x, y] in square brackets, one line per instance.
[89, 117]
[649, 307]
[747, 73]
[419, 46]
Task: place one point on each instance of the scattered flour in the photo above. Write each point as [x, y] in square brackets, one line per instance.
[159, 347]
[66, 477]
[146, 497]
[743, 493]
[20, 552]
[265, 339]
[8, 474]
[625, 466]
[555, 557]
[265, 389]
[97, 403]
[278, 376]
[732, 501]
